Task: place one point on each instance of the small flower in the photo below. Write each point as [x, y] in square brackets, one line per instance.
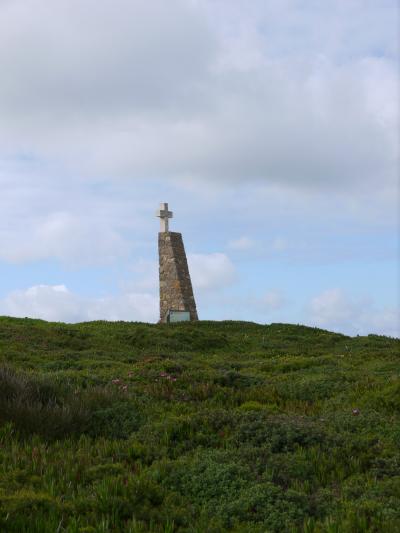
[173, 379]
[356, 412]
[116, 381]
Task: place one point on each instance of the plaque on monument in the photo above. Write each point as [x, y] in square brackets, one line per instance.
[178, 316]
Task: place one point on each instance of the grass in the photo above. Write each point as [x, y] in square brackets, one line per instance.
[206, 427]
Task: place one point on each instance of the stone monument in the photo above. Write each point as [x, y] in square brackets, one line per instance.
[176, 293]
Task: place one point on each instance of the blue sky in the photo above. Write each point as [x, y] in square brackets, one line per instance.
[271, 128]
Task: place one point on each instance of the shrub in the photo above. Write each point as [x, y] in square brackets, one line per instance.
[116, 421]
[281, 433]
[36, 405]
[45, 407]
[237, 380]
[214, 427]
[251, 406]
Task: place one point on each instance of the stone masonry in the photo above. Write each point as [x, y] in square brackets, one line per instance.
[176, 293]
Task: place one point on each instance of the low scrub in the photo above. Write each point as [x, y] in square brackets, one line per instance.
[44, 406]
[186, 428]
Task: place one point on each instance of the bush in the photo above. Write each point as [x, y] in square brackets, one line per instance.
[47, 408]
[116, 421]
[280, 433]
[251, 406]
[210, 426]
[39, 406]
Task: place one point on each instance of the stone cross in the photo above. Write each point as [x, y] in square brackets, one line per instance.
[164, 216]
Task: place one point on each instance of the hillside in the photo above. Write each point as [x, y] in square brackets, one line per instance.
[205, 427]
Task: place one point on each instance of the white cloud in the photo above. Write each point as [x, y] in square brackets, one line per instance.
[137, 300]
[211, 271]
[182, 95]
[57, 303]
[143, 307]
[145, 89]
[77, 239]
[292, 28]
[82, 56]
[54, 303]
[242, 243]
[272, 300]
[69, 219]
[263, 305]
[279, 244]
[334, 309]
[145, 276]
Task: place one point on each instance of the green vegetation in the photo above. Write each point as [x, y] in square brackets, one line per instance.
[206, 427]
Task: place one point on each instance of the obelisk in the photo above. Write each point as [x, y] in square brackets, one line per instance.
[177, 302]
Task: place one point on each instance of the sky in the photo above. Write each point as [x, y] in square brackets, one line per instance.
[271, 128]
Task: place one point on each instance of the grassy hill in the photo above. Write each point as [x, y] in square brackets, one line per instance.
[206, 427]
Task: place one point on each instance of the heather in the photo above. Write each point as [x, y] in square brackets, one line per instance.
[194, 427]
